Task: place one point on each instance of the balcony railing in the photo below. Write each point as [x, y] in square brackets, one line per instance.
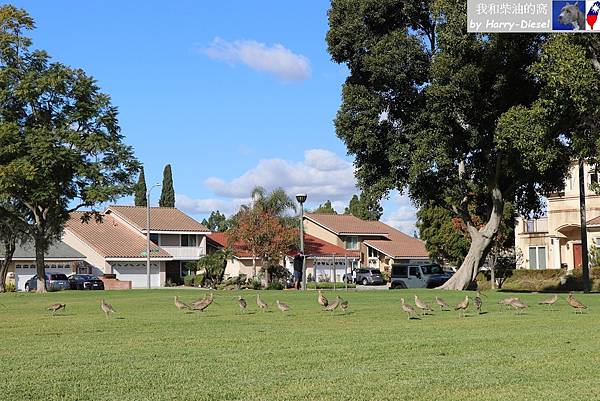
[185, 252]
[535, 226]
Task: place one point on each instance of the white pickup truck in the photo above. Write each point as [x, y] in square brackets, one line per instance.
[417, 276]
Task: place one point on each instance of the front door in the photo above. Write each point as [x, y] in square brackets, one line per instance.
[577, 256]
[173, 272]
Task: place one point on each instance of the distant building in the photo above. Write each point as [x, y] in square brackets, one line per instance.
[555, 240]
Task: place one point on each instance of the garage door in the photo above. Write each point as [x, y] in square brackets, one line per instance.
[136, 273]
[24, 272]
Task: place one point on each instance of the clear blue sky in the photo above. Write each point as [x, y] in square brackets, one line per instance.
[231, 93]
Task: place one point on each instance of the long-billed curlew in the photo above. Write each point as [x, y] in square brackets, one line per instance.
[550, 301]
[443, 304]
[518, 305]
[421, 305]
[282, 307]
[407, 308]
[242, 303]
[202, 305]
[261, 304]
[506, 302]
[322, 300]
[462, 306]
[334, 305]
[180, 305]
[575, 304]
[107, 308]
[478, 302]
[344, 305]
[56, 307]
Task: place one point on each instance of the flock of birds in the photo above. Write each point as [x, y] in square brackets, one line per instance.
[203, 303]
[462, 306]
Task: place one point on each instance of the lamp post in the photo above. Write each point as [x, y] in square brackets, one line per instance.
[301, 198]
[148, 233]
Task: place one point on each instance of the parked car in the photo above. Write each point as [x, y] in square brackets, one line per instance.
[85, 282]
[417, 276]
[55, 281]
[369, 276]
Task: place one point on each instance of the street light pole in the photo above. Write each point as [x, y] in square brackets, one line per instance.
[148, 233]
[301, 198]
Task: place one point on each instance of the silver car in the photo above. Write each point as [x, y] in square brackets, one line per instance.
[54, 281]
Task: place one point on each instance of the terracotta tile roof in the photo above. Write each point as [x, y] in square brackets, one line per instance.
[58, 250]
[341, 224]
[111, 238]
[399, 245]
[313, 246]
[594, 222]
[161, 218]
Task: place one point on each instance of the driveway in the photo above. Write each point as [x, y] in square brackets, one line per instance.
[371, 287]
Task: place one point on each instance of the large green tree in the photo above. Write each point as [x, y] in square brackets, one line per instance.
[458, 120]
[12, 233]
[140, 190]
[444, 239]
[60, 142]
[167, 196]
[216, 222]
[365, 207]
[325, 208]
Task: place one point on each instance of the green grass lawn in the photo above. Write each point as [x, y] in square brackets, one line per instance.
[152, 351]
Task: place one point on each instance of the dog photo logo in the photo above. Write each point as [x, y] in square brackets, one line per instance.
[592, 9]
[569, 16]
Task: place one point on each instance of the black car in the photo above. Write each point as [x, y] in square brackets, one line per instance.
[54, 281]
[85, 282]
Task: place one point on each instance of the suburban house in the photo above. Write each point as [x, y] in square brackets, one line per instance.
[554, 241]
[374, 243]
[60, 258]
[322, 258]
[117, 243]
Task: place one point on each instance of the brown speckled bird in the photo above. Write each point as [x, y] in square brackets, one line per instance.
[575, 304]
[550, 301]
[242, 303]
[407, 308]
[462, 306]
[478, 302]
[261, 304]
[506, 302]
[202, 305]
[107, 308]
[518, 305]
[422, 305]
[334, 305]
[443, 304]
[344, 305]
[56, 307]
[282, 307]
[180, 305]
[322, 300]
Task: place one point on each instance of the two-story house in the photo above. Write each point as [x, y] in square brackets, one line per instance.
[555, 240]
[377, 244]
[117, 244]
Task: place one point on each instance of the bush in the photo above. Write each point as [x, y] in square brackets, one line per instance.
[275, 285]
[10, 287]
[188, 280]
[255, 284]
[199, 280]
[541, 280]
[328, 285]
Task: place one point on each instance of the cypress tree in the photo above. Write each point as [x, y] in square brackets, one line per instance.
[167, 196]
[140, 190]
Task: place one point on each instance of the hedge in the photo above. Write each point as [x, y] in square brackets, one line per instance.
[541, 280]
[326, 285]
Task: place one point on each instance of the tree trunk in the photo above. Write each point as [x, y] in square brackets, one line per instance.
[481, 242]
[9, 251]
[40, 249]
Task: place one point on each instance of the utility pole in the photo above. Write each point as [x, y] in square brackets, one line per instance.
[584, 244]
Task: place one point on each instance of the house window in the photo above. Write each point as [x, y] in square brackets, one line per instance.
[537, 257]
[188, 240]
[373, 253]
[352, 243]
[17, 266]
[154, 238]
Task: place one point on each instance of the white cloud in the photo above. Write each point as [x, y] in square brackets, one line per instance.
[205, 206]
[276, 59]
[322, 175]
[403, 215]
